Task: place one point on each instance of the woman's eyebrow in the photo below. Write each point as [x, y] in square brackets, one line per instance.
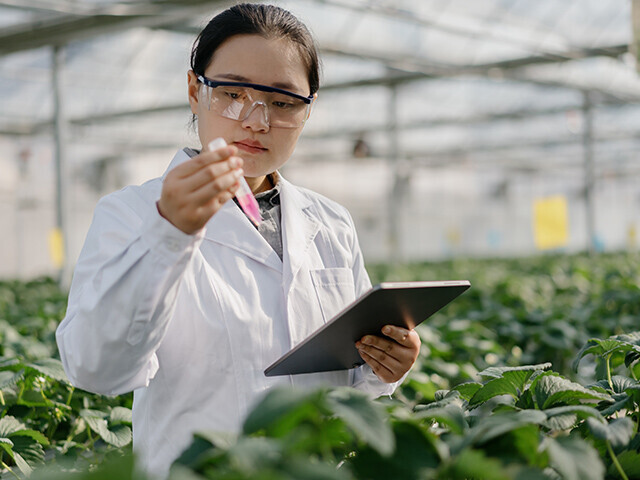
[239, 78]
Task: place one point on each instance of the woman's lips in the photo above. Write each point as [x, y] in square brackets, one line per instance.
[250, 146]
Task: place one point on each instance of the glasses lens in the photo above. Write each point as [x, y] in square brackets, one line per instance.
[286, 111]
[236, 103]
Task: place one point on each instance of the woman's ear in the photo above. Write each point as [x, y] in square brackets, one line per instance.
[193, 89]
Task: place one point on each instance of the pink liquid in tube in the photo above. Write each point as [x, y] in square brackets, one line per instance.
[244, 194]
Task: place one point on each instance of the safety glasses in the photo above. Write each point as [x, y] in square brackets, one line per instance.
[237, 100]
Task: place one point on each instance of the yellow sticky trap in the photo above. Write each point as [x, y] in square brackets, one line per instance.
[56, 247]
[632, 236]
[550, 222]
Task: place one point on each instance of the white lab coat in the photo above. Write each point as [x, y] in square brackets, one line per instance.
[189, 322]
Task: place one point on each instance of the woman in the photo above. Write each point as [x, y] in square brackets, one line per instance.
[178, 296]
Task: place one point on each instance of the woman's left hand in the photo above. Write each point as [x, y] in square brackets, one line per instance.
[390, 358]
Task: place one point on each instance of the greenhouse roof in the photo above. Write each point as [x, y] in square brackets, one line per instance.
[507, 58]
[491, 93]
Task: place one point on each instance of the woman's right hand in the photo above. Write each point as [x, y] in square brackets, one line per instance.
[195, 190]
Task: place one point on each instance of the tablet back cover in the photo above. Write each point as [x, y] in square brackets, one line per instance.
[332, 347]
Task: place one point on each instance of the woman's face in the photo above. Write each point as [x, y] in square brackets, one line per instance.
[253, 59]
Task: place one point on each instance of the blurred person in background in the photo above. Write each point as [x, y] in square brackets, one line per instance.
[179, 297]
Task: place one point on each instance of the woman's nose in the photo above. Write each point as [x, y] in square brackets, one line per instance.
[257, 118]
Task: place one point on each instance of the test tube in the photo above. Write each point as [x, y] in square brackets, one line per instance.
[244, 194]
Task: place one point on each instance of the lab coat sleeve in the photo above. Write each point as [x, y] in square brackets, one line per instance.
[122, 297]
[364, 378]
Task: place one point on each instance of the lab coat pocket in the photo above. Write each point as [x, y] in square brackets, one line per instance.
[334, 288]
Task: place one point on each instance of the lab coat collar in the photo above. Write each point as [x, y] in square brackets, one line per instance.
[299, 226]
[231, 227]
[180, 157]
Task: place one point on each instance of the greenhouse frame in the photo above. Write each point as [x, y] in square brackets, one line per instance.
[492, 128]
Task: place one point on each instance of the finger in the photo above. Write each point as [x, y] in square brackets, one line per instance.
[210, 173]
[378, 368]
[400, 335]
[207, 210]
[383, 356]
[203, 159]
[389, 347]
[227, 182]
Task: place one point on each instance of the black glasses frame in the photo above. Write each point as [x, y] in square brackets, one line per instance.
[256, 86]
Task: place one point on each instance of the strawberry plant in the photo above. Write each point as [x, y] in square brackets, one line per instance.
[497, 393]
[524, 422]
[42, 417]
[519, 311]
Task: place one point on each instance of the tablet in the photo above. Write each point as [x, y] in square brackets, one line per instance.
[332, 346]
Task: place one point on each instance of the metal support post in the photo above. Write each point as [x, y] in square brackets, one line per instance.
[589, 176]
[395, 195]
[60, 140]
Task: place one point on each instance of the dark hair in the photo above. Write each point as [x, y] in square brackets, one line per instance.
[268, 21]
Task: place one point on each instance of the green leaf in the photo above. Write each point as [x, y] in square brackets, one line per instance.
[9, 378]
[631, 358]
[503, 422]
[450, 415]
[120, 415]
[525, 402]
[474, 464]
[117, 435]
[497, 372]
[512, 383]
[622, 384]
[10, 425]
[417, 450]
[310, 469]
[467, 390]
[574, 459]
[197, 452]
[33, 398]
[621, 402]
[6, 442]
[251, 455]
[630, 463]
[29, 449]
[33, 434]
[22, 464]
[616, 343]
[50, 367]
[618, 431]
[563, 418]
[365, 417]
[551, 390]
[281, 410]
[6, 362]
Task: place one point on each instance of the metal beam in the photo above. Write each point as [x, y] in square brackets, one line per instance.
[62, 29]
[411, 63]
[424, 68]
[42, 127]
[468, 152]
[562, 50]
[51, 6]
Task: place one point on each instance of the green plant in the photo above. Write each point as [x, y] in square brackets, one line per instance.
[517, 422]
[481, 402]
[42, 417]
[519, 311]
